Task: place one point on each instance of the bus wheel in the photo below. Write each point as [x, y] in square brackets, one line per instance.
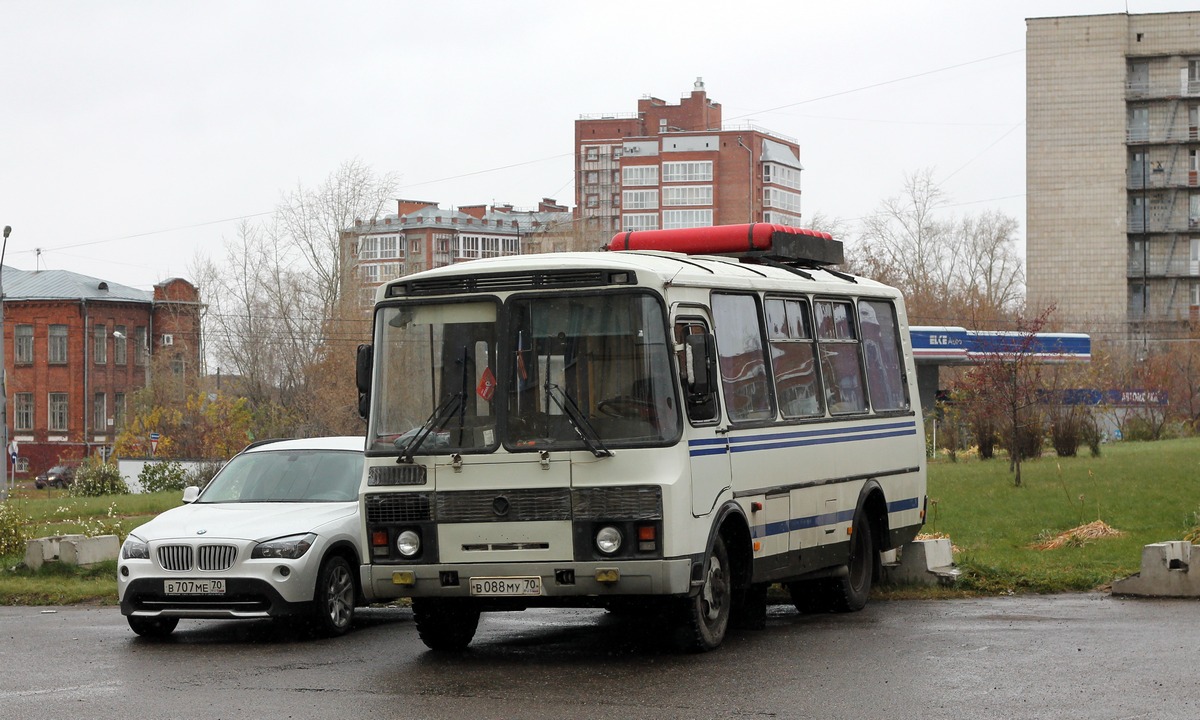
[706, 616]
[852, 589]
[445, 624]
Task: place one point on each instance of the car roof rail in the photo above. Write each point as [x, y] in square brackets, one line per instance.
[268, 441]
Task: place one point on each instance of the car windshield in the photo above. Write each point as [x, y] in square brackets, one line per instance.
[287, 476]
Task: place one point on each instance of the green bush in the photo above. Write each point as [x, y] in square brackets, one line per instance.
[201, 474]
[97, 478]
[12, 530]
[163, 475]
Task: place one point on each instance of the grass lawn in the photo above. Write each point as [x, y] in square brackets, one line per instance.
[1148, 491]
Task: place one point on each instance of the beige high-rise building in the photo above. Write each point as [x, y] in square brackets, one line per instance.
[1113, 206]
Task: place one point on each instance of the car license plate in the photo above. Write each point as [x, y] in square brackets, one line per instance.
[194, 587]
[505, 586]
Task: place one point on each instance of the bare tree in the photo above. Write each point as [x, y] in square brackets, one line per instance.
[311, 220]
[991, 275]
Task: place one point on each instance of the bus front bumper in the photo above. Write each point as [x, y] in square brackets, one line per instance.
[560, 580]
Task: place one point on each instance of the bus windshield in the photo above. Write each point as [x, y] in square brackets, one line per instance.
[587, 372]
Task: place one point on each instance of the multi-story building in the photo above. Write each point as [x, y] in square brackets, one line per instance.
[421, 235]
[678, 166]
[77, 348]
[1113, 200]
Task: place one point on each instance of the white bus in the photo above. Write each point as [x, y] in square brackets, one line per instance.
[669, 426]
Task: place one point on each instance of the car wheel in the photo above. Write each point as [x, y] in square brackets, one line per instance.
[706, 616]
[445, 624]
[39, 485]
[152, 627]
[333, 598]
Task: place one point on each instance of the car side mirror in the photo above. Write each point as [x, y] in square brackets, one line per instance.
[190, 493]
[362, 376]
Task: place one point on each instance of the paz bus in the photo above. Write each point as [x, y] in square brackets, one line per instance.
[670, 425]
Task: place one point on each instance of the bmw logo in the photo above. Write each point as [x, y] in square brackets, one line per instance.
[201, 531]
[500, 505]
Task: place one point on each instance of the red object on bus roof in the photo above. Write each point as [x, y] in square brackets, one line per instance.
[714, 240]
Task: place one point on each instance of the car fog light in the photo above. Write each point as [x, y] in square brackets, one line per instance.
[284, 570]
[608, 540]
[408, 543]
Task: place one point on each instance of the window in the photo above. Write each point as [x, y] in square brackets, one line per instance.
[591, 154]
[370, 273]
[414, 248]
[489, 247]
[591, 178]
[100, 344]
[793, 357]
[57, 344]
[1139, 124]
[687, 195]
[368, 248]
[639, 175]
[119, 410]
[512, 246]
[741, 360]
[687, 218]
[841, 367]
[23, 411]
[120, 342]
[58, 412]
[593, 201]
[640, 199]
[782, 199]
[389, 246]
[1137, 79]
[778, 218]
[139, 345]
[776, 174]
[99, 413]
[24, 340]
[700, 408]
[881, 355]
[640, 221]
[1193, 86]
[688, 171]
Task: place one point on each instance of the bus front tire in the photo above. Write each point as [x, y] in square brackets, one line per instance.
[446, 624]
[706, 615]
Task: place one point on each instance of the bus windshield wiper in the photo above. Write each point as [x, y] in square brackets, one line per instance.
[583, 428]
[439, 416]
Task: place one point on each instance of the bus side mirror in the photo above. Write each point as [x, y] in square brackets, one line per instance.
[700, 353]
[362, 377]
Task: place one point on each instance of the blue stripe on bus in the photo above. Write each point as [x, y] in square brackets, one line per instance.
[823, 520]
[751, 443]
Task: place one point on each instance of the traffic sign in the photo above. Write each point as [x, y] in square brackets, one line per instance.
[153, 442]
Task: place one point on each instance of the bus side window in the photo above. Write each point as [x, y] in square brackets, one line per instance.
[696, 356]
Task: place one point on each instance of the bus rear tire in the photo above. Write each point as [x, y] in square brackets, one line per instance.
[706, 615]
[445, 624]
[852, 590]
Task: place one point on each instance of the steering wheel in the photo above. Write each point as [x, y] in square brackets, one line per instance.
[626, 407]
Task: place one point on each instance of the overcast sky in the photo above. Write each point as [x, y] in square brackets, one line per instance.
[134, 134]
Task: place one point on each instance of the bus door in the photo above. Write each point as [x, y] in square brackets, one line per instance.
[708, 447]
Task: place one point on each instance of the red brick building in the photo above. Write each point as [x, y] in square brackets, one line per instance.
[677, 166]
[77, 348]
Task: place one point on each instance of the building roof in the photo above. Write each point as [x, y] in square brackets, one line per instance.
[66, 285]
[498, 222]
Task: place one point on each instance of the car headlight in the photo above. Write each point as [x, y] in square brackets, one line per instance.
[135, 548]
[408, 543]
[287, 548]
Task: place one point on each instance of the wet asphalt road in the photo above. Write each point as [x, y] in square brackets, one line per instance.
[1066, 656]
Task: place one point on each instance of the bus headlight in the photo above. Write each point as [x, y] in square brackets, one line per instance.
[408, 543]
[608, 540]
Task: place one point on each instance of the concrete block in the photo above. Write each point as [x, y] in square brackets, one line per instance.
[43, 550]
[921, 562]
[89, 550]
[1165, 572]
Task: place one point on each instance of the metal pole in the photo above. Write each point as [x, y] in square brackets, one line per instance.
[8, 484]
[1145, 252]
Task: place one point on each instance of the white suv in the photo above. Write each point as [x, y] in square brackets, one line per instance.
[275, 534]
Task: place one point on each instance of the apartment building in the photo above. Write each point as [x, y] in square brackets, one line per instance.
[422, 235]
[1113, 199]
[77, 348]
[678, 166]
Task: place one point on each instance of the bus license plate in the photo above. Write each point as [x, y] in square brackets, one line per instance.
[194, 587]
[505, 586]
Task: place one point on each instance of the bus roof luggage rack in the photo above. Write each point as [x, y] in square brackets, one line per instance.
[779, 242]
